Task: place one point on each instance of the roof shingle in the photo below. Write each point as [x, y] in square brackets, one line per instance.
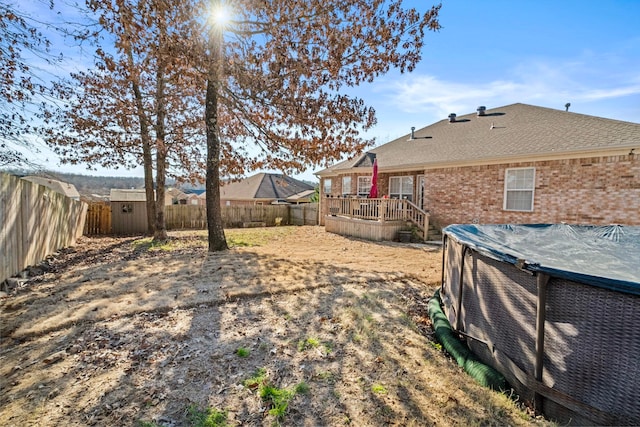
[263, 186]
[514, 132]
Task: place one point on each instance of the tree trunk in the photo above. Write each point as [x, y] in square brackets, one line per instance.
[147, 157]
[147, 160]
[148, 187]
[160, 233]
[217, 240]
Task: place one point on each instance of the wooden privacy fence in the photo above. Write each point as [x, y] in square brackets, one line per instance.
[304, 214]
[195, 217]
[245, 216]
[190, 216]
[185, 216]
[35, 221]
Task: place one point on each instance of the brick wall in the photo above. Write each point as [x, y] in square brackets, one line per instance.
[604, 190]
[383, 183]
[336, 185]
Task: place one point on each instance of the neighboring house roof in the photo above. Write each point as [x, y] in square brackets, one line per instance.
[133, 195]
[64, 188]
[303, 196]
[140, 195]
[196, 191]
[174, 195]
[263, 186]
[174, 192]
[516, 132]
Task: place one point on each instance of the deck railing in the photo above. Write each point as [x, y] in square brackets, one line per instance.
[380, 210]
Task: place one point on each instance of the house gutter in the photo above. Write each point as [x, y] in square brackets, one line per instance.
[334, 173]
[527, 158]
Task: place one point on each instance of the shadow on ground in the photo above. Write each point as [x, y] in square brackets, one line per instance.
[118, 340]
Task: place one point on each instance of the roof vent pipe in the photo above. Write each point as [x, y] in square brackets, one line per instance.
[413, 135]
[481, 110]
[452, 117]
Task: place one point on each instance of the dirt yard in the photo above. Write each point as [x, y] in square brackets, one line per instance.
[117, 332]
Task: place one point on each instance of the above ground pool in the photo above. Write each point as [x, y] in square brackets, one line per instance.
[555, 309]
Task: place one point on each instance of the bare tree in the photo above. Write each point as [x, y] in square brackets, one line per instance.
[116, 114]
[273, 86]
[22, 44]
[279, 80]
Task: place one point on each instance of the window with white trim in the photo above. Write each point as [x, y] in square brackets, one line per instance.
[401, 187]
[326, 189]
[519, 186]
[346, 185]
[364, 186]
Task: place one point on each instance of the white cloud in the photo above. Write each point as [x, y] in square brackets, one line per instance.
[536, 82]
[599, 94]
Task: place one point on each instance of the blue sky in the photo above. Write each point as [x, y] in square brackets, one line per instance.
[499, 52]
[496, 53]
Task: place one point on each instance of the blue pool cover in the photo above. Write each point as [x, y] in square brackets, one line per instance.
[607, 256]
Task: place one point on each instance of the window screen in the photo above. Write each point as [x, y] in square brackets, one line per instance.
[364, 186]
[519, 185]
[346, 185]
[401, 187]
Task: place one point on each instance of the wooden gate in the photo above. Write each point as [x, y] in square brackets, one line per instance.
[98, 219]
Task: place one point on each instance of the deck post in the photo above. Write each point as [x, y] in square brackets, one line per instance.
[426, 227]
[382, 210]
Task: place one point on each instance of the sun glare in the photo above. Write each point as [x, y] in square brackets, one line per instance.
[221, 15]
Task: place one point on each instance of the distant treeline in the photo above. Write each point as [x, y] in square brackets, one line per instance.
[86, 185]
[91, 186]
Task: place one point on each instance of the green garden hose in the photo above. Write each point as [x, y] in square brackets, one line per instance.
[482, 373]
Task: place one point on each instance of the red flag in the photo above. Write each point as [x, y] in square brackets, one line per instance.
[373, 193]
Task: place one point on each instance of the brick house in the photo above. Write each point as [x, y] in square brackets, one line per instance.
[513, 164]
[175, 196]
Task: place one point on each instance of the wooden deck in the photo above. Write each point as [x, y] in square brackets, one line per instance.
[374, 219]
[365, 229]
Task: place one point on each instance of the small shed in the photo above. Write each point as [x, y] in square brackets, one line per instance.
[128, 211]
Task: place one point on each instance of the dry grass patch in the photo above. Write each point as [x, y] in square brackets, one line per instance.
[118, 332]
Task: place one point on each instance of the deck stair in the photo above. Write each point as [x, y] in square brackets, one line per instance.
[434, 234]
